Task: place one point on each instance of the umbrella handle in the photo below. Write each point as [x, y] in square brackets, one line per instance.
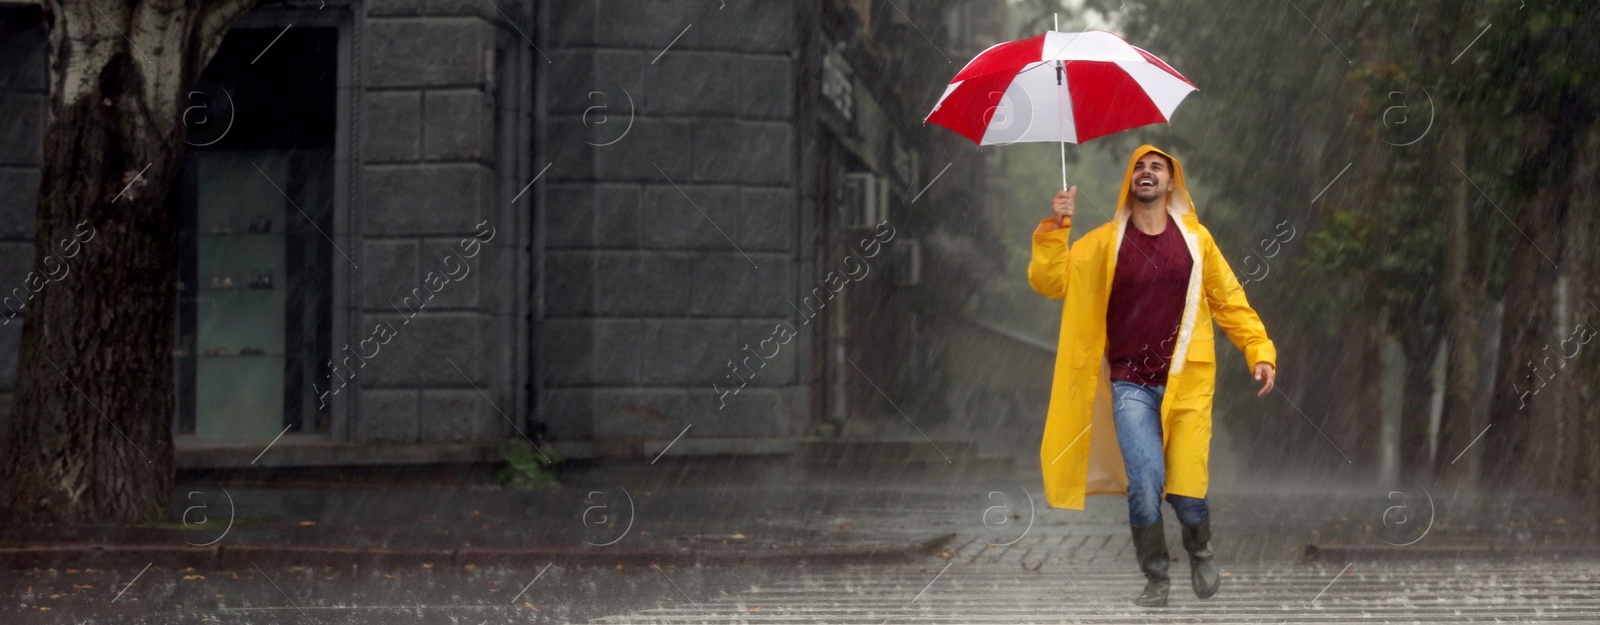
[1062, 221]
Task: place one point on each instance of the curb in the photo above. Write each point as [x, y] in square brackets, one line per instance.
[248, 556]
[1354, 553]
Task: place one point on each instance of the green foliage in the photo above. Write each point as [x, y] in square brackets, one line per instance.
[526, 467]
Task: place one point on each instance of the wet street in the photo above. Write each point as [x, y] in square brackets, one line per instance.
[956, 590]
[1048, 566]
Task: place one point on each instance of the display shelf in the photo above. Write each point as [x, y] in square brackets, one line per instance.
[241, 234]
[241, 355]
[240, 394]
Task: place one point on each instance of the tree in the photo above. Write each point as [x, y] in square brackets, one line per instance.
[89, 437]
[1432, 225]
[1540, 66]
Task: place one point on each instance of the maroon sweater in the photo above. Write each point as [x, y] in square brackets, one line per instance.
[1146, 306]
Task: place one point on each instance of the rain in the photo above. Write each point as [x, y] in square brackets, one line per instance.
[479, 312]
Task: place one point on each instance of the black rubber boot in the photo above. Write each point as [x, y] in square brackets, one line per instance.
[1150, 547]
[1202, 570]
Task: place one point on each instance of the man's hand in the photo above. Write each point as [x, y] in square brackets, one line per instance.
[1266, 372]
[1063, 204]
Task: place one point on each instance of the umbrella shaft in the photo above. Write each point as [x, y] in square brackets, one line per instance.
[1060, 70]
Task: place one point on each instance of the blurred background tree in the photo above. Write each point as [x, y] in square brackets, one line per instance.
[1437, 159]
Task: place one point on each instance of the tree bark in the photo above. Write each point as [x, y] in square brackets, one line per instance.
[1414, 410]
[1419, 339]
[1353, 392]
[1464, 302]
[1584, 303]
[90, 432]
[1515, 455]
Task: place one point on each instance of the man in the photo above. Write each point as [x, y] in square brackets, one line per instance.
[1130, 404]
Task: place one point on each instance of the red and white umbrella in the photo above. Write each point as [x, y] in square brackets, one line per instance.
[1066, 87]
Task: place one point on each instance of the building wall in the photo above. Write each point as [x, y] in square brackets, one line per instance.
[646, 266]
[674, 245]
[429, 175]
[24, 102]
[424, 160]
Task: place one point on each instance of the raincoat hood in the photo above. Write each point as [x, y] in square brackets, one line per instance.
[1178, 199]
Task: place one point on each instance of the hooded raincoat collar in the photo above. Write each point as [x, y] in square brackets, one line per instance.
[1178, 200]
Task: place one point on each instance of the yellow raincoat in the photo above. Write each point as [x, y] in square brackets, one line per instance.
[1079, 454]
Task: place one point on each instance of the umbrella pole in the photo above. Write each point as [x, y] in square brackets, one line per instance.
[1061, 67]
[1061, 119]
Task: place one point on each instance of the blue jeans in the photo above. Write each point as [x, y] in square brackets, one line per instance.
[1136, 409]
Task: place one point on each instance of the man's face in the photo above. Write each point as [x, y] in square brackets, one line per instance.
[1152, 178]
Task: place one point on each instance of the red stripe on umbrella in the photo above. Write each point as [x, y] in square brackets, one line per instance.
[1004, 57]
[1106, 100]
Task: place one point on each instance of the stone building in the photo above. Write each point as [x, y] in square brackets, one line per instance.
[416, 228]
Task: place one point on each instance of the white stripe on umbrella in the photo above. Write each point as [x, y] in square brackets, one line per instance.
[1094, 45]
[1164, 89]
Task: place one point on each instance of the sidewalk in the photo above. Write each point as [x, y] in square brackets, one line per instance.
[758, 511]
[744, 511]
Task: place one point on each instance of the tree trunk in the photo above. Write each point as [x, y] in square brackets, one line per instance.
[1414, 410]
[1464, 303]
[1528, 452]
[90, 432]
[1419, 338]
[1353, 390]
[1583, 261]
[1514, 456]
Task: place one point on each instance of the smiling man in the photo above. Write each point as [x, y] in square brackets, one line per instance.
[1130, 404]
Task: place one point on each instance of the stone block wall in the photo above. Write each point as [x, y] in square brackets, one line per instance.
[670, 219]
[24, 110]
[430, 173]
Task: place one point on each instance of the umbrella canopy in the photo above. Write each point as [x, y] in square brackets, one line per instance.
[1067, 87]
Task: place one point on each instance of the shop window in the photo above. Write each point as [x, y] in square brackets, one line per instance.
[255, 304]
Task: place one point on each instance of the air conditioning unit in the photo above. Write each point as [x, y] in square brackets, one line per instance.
[865, 200]
[905, 262]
